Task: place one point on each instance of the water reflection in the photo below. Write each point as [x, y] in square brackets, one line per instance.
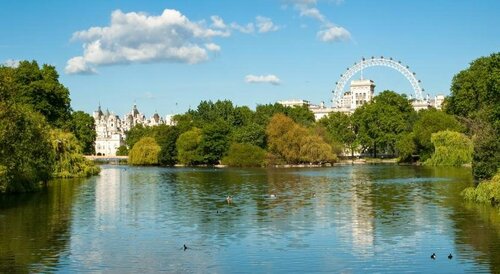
[342, 219]
[34, 228]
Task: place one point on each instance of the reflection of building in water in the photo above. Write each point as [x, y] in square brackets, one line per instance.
[362, 230]
[108, 192]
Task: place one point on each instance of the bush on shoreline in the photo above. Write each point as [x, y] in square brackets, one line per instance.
[485, 192]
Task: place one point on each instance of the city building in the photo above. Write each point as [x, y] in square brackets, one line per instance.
[359, 93]
[111, 130]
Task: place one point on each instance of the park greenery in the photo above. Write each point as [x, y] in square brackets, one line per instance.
[40, 136]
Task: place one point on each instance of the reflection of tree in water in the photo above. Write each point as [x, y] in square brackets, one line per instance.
[478, 226]
[35, 228]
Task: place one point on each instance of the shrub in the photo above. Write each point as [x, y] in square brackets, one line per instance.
[244, 155]
[485, 192]
[450, 149]
[145, 152]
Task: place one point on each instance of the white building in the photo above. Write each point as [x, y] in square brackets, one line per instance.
[111, 130]
[360, 92]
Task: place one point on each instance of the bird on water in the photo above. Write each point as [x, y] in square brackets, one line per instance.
[185, 247]
[450, 256]
[433, 256]
[229, 199]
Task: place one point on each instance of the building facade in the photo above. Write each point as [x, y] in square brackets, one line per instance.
[111, 130]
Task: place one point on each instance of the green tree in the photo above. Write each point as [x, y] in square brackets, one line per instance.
[383, 121]
[166, 137]
[83, 127]
[253, 133]
[244, 155]
[214, 142]
[301, 115]
[428, 122]
[145, 152]
[406, 147]
[188, 147]
[40, 88]
[122, 151]
[136, 133]
[69, 161]
[475, 95]
[26, 156]
[341, 129]
[450, 149]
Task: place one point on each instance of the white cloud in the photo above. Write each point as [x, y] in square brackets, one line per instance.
[265, 24]
[212, 47]
[217, 22]
[333, 34]
[11, 63]
[271, 79]
[138, 37]
[248, 28]
[329, 32]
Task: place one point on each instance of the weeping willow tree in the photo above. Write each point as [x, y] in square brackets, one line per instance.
[450, 149]
[69, 161]
[486, 192]
[145, 152]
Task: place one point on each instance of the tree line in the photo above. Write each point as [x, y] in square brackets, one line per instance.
[41, 137]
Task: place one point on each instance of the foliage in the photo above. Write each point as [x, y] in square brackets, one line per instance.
[83, 127]
[214, 141]
[69, 161]
[475, 95]
[485, 192]
[428, 122]
[122, 151]
[145, 152]
[39, 88]
[451, 149]
[166, 137]
[406, 147]
[26, 157]
[253, 133]
[486, 156]
[341, 129]
[301, 115]
[294, 144]
[244, 155]
[381, 122]
[188, 151]
[136, 133]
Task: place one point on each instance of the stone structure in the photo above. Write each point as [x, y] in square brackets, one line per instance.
[111, 130]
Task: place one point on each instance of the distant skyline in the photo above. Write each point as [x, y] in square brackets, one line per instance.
[170, 55]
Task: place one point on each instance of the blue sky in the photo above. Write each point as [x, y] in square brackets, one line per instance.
[170, 55]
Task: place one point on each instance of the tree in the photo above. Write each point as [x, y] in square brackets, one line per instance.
[244, 155]
[475, 95]
[69, 161]
[188, 147]
[294, 144]
[428, 122]
[383, 121]
[214, 141]
[136, 133]
[451, 149]
[301, 115]
[83, 127]
[41, 89]
[341, 129]
[253, 133]
[166, 137]
[26, 156]
[145, 152]
[406, 147]
[122, 151]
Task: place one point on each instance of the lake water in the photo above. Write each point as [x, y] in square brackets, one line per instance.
[342, 219]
